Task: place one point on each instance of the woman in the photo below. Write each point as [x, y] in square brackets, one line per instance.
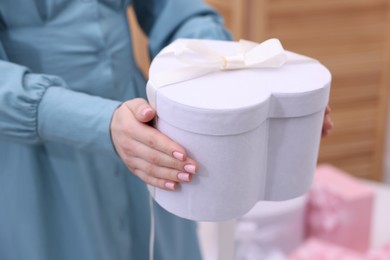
[75, 151]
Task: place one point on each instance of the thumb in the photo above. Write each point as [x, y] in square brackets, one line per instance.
[141, 109]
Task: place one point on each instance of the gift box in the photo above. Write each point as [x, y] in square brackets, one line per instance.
[340, 209]
[270, 227]
[249, 114]
[314, 249]
[382, 253]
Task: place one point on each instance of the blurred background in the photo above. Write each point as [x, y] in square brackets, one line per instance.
[352, 39]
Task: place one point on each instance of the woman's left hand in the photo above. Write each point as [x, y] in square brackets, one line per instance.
[327, 124]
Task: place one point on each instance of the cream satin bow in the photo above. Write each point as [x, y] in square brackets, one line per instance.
[202, 60]
[270, 53]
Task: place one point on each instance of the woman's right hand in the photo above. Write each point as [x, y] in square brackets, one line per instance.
[149, 154]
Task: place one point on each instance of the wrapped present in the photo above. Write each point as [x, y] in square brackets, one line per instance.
[382, 253]
[340, 209]
[314, 249]
[270, 228]
[249, 114]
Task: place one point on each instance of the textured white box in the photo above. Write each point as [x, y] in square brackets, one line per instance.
[255, 132]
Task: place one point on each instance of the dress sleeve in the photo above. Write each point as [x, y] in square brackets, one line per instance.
[38, 108]
[166, 20]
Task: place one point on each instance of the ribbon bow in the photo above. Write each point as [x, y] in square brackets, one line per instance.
[202, 60]
[270, 54]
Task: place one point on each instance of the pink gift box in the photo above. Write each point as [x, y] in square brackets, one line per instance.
[382, 253]
[314, 249]
[340, 209]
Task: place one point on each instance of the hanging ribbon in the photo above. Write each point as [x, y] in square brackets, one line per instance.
[202, 60]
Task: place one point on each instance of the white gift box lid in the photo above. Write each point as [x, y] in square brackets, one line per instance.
[229, 103]
[235, 101]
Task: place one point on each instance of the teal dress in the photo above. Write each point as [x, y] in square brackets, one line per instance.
[65, 66]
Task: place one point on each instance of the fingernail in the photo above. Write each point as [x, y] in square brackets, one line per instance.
[170, 185]
[178, 155]
[146, 111]
[190, 168]
[183, 176]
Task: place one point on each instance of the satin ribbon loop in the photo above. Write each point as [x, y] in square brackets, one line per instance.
[196, 53]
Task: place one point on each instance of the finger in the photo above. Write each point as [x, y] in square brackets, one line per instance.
[158, 158]
[156, 182]
[327, 126]
[159, 172]
[324, 133]
[141, 110]
[158, 176]
[327, 110]
[169, 154]
[154, 139]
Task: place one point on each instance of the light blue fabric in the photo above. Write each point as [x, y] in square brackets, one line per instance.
[65, 65]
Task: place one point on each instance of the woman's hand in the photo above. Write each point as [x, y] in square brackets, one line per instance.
[149, 154]
[327, 124]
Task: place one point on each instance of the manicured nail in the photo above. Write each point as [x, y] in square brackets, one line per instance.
[178, 155]
[170, 185]
[183, 176]
[190, 168]
[331, 124]
[146, 111]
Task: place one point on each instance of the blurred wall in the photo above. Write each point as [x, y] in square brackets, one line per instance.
[351, 38]
[386, 177]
